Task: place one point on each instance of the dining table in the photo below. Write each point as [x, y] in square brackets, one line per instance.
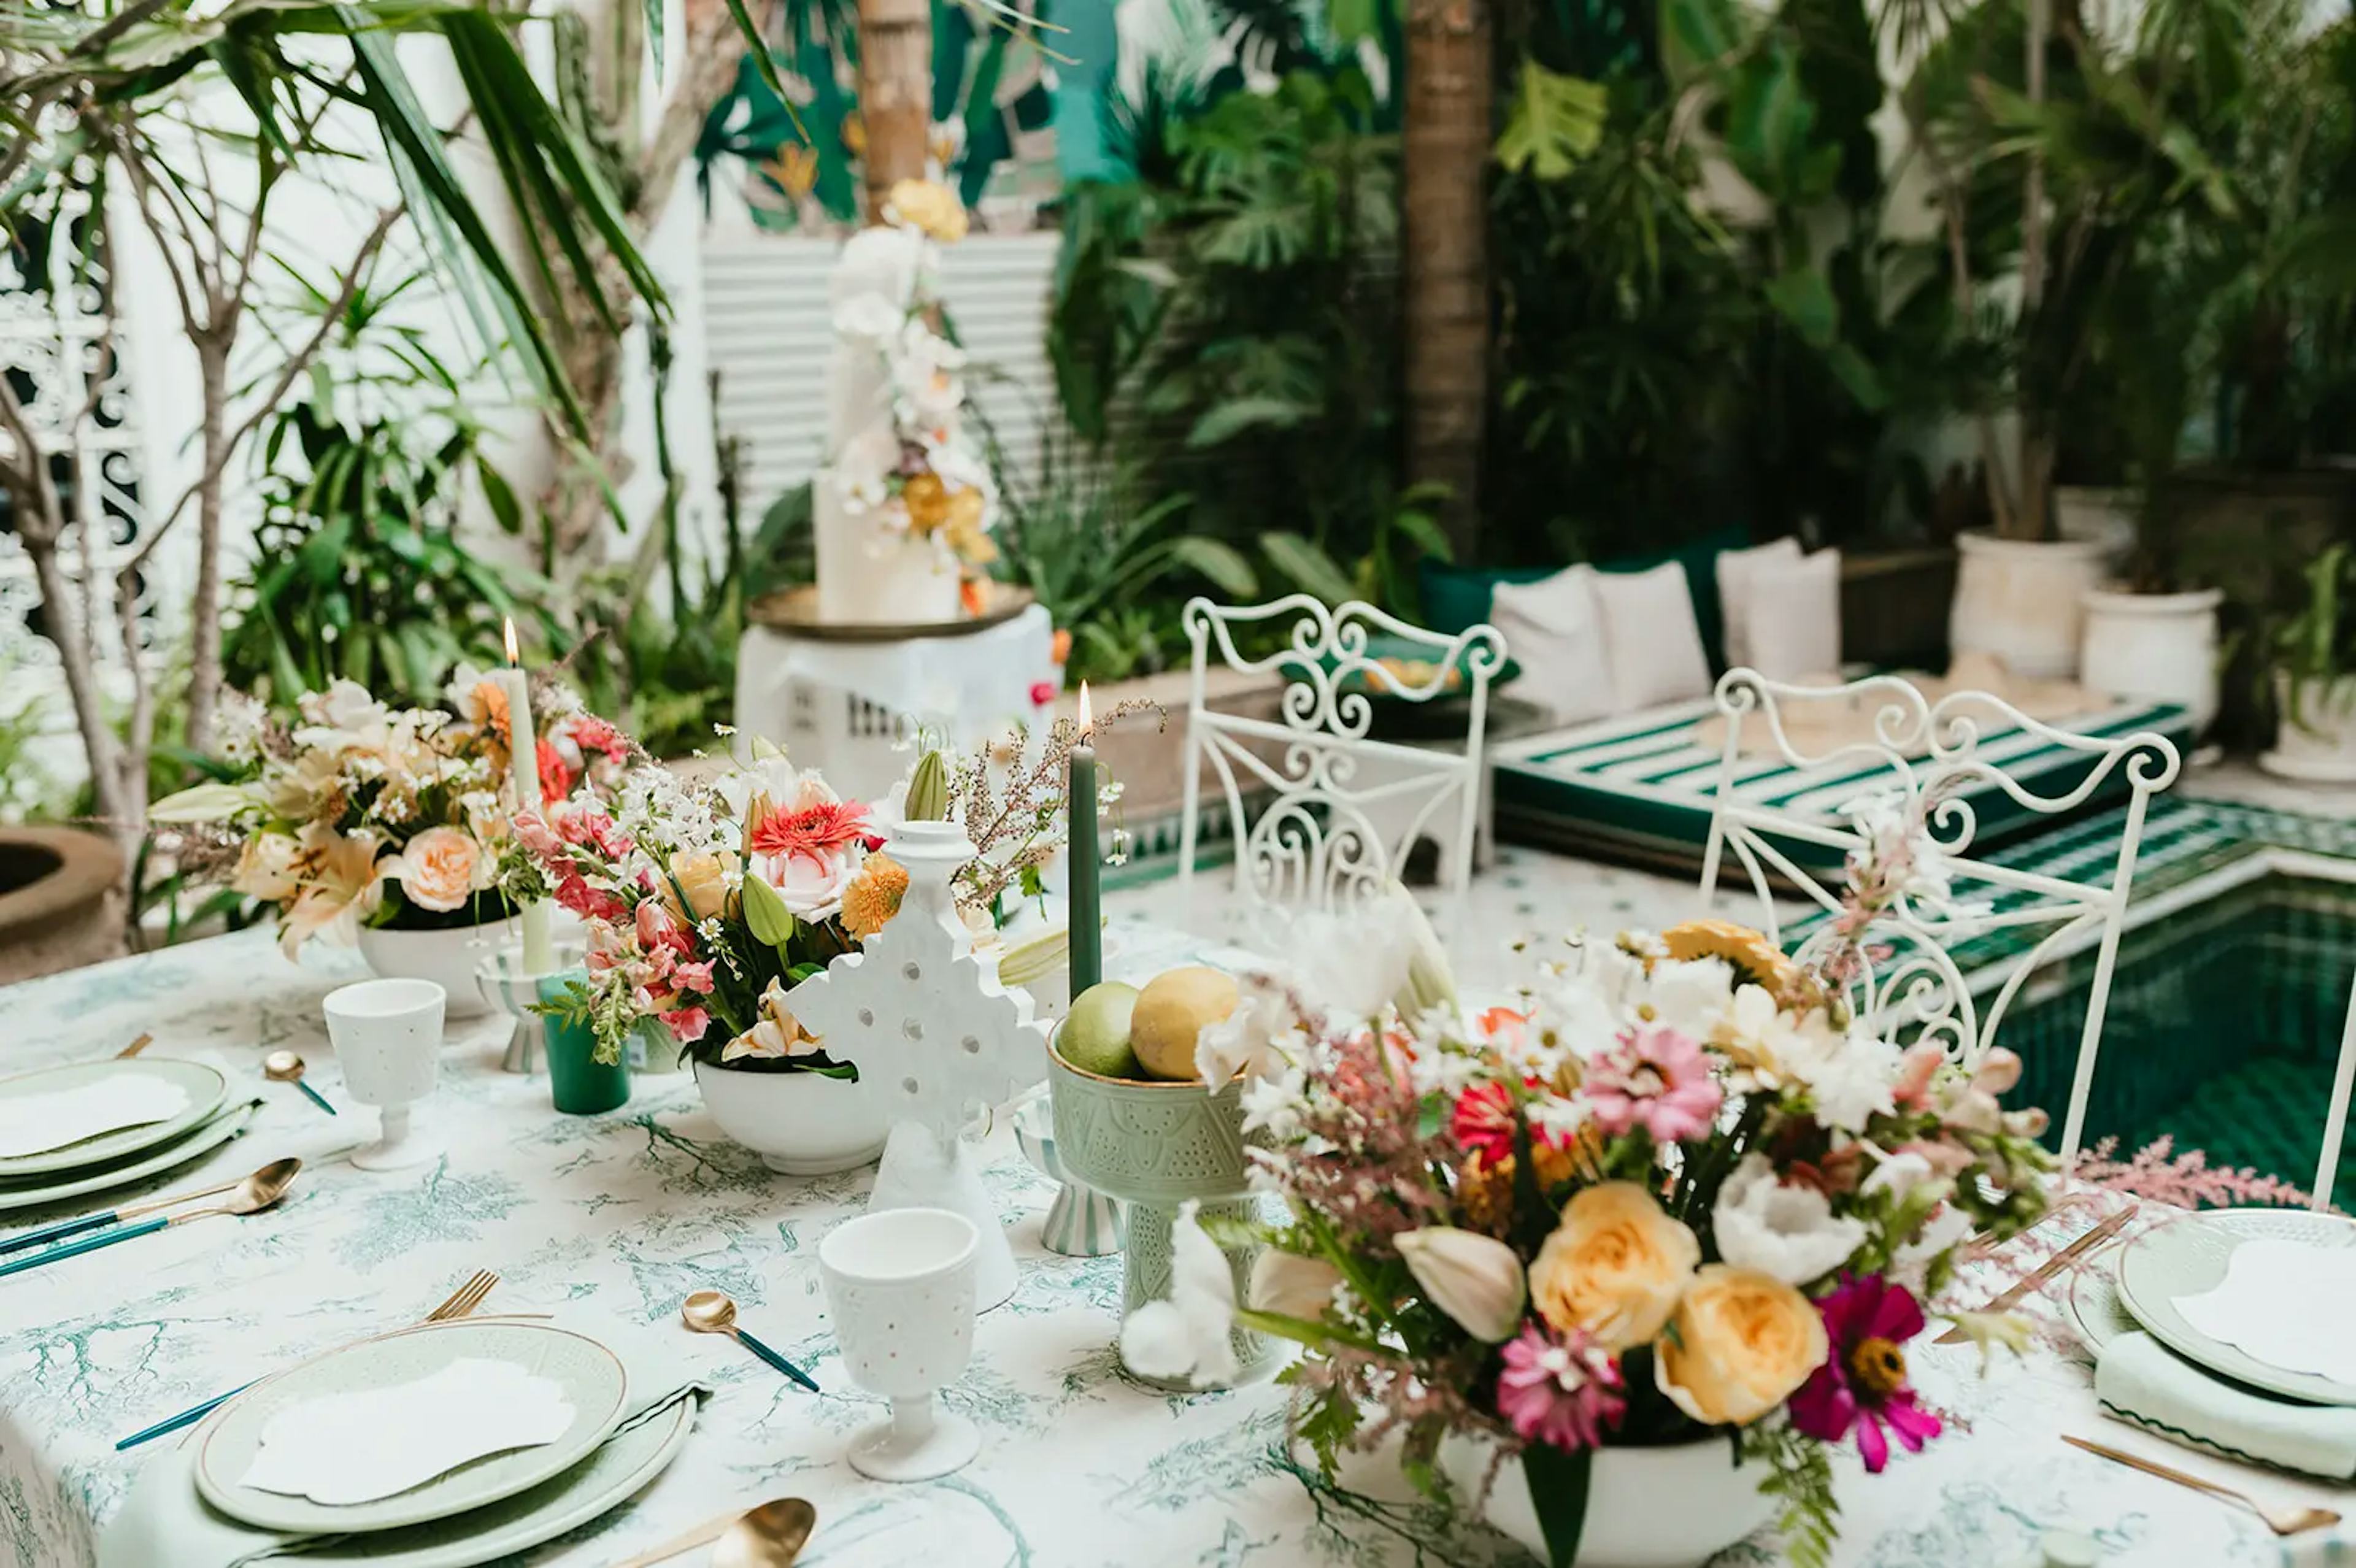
[623, 1214]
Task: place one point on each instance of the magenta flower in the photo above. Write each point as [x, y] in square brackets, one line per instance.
[1863, 1383]
[1656, 1078]
[1560, 1391]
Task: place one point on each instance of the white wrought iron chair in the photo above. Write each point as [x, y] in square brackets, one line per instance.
[1347, 808]
[2335, 1114]
[1930, 753]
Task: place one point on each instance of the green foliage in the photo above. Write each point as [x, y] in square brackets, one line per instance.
[28, 792]
[1554, 122]
[1800, 1479]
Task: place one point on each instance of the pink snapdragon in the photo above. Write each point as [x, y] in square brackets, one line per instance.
[1654, 1078]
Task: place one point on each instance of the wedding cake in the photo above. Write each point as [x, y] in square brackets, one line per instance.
[903, 507]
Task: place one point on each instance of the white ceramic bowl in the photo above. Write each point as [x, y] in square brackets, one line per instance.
[801, 1124]
[1646, 1508]
[447, 957]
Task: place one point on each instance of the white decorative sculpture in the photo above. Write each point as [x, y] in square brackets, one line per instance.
[937, 1037]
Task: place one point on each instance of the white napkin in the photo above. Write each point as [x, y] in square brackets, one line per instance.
[346, 1448]
[39, 1123]
[2139, 1379]
[2284, 1302]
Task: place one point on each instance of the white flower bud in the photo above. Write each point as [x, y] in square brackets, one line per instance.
[1475, 1279]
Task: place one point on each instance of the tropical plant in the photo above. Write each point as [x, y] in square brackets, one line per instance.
[2312, 650]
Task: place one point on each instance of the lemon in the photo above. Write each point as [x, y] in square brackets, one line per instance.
[1171, 1012]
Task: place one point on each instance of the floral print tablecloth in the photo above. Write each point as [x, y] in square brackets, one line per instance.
[625, 1213]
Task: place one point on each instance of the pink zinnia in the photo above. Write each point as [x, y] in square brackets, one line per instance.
[1656, 1078]
[1483, 1122]
[1562, 1392]
[1863, 1383]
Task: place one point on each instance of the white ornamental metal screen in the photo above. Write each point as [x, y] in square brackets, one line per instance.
[63, 352]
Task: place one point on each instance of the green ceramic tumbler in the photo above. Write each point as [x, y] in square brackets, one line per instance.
[579, 1084]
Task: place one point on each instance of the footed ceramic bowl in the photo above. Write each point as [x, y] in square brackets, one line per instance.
[800, 1124]
[1153, 1145]
[448, 958]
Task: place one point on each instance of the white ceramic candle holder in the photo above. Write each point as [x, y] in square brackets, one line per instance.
[900, 1290]
[388, 1040]
[936, 1040]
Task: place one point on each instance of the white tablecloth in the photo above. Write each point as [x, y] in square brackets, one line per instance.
[627, 1213]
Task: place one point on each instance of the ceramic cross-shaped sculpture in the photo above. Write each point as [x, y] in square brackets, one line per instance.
[935, 1038]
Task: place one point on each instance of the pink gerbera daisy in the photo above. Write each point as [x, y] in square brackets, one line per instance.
[1656, 1078]
[1560, 1391]
[1862, 1385]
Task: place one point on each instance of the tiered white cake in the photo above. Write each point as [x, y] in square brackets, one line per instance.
[903, 506]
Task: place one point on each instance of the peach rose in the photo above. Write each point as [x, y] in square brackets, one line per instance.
[703, 877]
[438, 868]
[1614, 1267]
[1744, 1342]
[265, 869]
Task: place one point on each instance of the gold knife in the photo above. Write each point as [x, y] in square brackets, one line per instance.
[2094, 1237]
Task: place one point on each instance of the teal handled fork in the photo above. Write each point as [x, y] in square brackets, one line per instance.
[278, 1172]
[253, 1194]
[461, 1302]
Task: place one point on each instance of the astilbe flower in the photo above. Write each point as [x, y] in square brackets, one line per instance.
[1562, 1391]
[2186, 1180]
[1360, 1104]
[1862, 1384]
[1654, 1078]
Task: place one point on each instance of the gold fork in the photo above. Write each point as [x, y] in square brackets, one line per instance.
[461, 1302]
[2281, 1520]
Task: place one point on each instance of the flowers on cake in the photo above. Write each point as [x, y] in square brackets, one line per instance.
[911, 461]
[1678, 1190]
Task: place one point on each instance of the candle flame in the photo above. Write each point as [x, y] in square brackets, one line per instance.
[1088, 724]
[514, 656]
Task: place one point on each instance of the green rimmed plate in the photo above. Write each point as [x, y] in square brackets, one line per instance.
[590, 1374]
[204, 1087]
[201, 1140]
[2189, 1256]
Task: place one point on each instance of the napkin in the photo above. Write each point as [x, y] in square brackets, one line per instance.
[2139, 1379]
[2283, 1302]
[358, 1446]
[164, 1524]
[36, 1123]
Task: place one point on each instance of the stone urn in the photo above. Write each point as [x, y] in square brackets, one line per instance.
[60, 900]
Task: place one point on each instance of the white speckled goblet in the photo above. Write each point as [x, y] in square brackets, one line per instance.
[900, 1288]
[388, 1040]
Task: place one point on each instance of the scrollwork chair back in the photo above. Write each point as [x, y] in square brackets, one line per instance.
[1344, 808]
[1936, 772]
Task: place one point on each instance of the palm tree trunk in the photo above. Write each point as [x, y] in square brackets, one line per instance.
[1443, 239]
[895, 93]
[2035, 466]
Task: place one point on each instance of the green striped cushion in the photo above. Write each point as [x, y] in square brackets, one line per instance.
[1641, 781]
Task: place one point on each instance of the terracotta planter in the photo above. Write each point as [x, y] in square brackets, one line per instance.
[2316, 742]
[2019, 600]
[1646, 1508]
[800, 1124]
[61, 906]
[2156, 646]
[448, 958]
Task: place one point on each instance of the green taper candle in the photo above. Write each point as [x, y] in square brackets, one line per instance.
[1088, 908]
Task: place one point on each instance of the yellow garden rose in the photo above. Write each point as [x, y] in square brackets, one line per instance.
[703, 876]
[1741, 1343]
[1614, 1267]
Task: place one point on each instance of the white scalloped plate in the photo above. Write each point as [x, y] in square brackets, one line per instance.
[2188, 1256]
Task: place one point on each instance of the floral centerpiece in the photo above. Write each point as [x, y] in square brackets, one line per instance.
[359, 815]
[1676, 1196]
[913, 465]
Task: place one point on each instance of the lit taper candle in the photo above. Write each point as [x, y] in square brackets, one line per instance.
[524, 775]
[1087, 912]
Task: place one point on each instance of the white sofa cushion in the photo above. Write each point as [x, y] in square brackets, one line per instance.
[1652, 643]
[1552, 630]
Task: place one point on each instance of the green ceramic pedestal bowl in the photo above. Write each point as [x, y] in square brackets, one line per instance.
[1153, 1145]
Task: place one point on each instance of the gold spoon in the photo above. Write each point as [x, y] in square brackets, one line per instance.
[286, 1067]
[712, 1312]
[2281, 1520]
[260, 1190]
[770, 1536]
[278, 1172]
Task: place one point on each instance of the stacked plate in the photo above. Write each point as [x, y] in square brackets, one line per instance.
[93, 1127]
[2256, 1295]
[446, 1445]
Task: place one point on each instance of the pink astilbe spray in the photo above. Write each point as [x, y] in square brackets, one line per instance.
[2187, 1180]
[1380, 1181]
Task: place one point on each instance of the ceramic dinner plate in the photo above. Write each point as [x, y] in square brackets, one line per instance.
[623, 1465]
[2188, 1257]
[204, 1086]
[201, 1139]
[589, 1373]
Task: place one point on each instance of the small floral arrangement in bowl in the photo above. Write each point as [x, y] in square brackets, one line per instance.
[1657, 1237]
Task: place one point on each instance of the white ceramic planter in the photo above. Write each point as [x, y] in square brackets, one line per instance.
[2019, 600]
[2324, 750]
[2160, 648]
[447, 957]
[801, 1124]
[2101, 517]
[1646, 1508]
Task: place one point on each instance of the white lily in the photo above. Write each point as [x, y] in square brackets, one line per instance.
[1186, 1335]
